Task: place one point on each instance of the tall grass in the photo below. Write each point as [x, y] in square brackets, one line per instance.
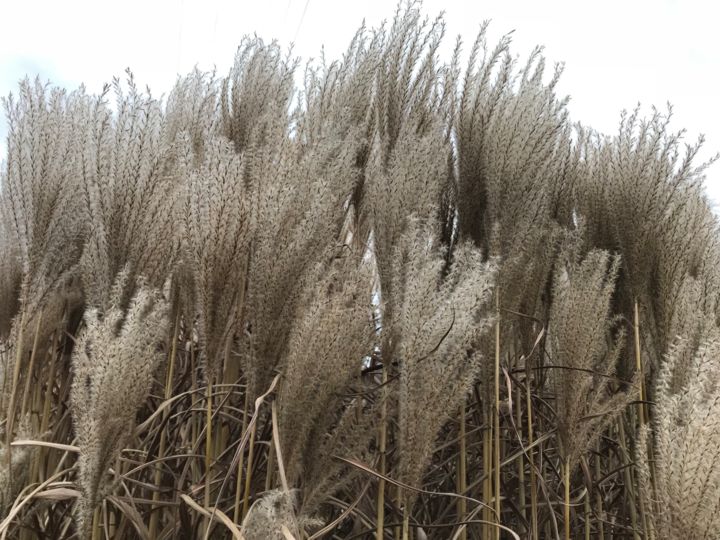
[404, 299]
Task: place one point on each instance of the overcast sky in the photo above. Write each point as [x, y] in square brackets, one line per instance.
[616, 53]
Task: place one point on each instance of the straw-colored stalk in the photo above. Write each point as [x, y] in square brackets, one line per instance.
[406, 523]
[521, 459]
[13, 391]
[38, 470]
[97, 518]
[197, 413]
[208, 446]
[31, 367]
[399, 502]
[497, 415]
[248, 473]
[638, 364]
[237, 508]
[643, 414]
[629, 483]
[566, 484]
[462, 473]
[487, 476]
[155, 515]
[531, 459]
[598, 497]
[270, 468]
[382, 448]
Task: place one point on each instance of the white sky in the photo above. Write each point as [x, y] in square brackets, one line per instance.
[616, 53]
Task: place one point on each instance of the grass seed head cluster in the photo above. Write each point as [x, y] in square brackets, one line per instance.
[386, 296]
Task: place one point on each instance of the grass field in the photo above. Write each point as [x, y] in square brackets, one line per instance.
[383, 297]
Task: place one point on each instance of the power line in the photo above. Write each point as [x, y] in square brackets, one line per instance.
[302, 18]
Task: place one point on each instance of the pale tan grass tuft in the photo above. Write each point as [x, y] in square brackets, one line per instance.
[10, 278]
[299, 205]
[268, 516]
[38, 186]
[684, 492]
[516, 170]
[15, 478]
[332, 334]
[129, 197]
[641, 197]
[339, 248]
[218, 232]
[113, 363]
[260, 83]
[436, 348]
[192, 111]
[42, 226]
[584, 348]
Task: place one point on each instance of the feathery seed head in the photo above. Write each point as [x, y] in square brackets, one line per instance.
[269, 514]
[113, 363]
[685, 496]
[436, 348]
[584, 347]
[14, 479]
[333, 331]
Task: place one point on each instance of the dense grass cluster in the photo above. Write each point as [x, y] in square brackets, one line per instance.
[404, 299]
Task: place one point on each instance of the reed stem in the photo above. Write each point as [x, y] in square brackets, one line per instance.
[566, 482]
[31, 367]
[237, 516]
[208, 446]
[248, 473]
[155, 514]
[462, 473]
[382, 448]
[496, 429]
